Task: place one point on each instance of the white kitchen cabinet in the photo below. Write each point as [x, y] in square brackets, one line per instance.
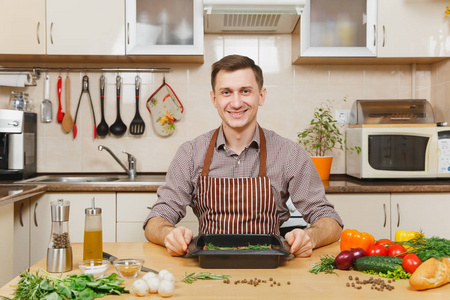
[171, 27]
[426, 212]
[130, 218]
[365, 212]
[22, 27]
[412, 29]
[86, 27]
[21, 244]
[78, 203]
[7, 238]
[40, 227]
[337, 29]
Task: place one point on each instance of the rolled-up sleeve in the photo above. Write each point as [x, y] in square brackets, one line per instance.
[176, 194]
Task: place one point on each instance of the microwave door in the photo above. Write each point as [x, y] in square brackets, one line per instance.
[394, 152]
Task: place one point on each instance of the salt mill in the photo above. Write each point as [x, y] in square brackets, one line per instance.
[59, 252]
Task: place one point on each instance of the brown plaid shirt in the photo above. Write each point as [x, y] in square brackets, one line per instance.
[289, 168]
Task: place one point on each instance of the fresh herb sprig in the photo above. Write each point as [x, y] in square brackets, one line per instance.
[190, 278]
[51, 287]
[211, 246]
[426, 248]
[326, 265]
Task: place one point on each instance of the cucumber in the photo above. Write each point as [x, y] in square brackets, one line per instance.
[378, 263]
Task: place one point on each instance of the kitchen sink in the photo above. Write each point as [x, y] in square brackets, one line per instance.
[100, 179]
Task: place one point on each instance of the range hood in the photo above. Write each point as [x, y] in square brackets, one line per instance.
[251, 16]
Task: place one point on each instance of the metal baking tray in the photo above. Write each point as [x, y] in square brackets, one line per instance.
[239, 259]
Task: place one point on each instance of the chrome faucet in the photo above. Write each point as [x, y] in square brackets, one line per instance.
[131, 170]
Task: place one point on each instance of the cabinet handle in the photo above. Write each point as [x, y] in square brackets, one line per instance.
[35, 215]
[374, 35]
[37, 33]
[51, 33]
[20, 216]
[385, 215]
[384, 35]
[398, 215]
[128, 32]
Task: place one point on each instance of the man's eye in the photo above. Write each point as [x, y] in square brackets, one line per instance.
[226, 92]
[245, 91]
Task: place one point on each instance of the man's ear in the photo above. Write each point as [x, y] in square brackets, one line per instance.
[213, 98]
[262, 96]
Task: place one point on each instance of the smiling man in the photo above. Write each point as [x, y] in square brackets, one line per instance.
[238, 177]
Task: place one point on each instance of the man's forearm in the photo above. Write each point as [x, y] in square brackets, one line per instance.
[157, 229]
[324, 231]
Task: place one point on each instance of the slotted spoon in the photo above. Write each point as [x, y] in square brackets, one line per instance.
[137, 125]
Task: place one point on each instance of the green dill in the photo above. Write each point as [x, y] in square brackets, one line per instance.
[190, 278]
[326, 265]
[426, 248]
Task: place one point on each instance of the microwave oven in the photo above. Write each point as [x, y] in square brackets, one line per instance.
[398, 151]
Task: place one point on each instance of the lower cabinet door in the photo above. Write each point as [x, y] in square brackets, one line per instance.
[426, 212]
[364, 212]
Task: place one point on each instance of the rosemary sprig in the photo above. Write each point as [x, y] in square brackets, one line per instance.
[190, 278]
[326, 265]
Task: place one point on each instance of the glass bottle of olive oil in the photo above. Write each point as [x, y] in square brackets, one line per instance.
[93, 240]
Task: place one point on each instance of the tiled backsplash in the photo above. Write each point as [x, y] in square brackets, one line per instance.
[293, 92]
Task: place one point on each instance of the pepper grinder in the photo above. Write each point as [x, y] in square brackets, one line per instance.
[59, 252]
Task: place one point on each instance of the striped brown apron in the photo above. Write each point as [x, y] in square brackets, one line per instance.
[236, 205]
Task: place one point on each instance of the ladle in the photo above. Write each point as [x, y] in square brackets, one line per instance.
[118, 128]
[102, 128]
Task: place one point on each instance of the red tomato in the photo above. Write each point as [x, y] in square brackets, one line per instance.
[411, 262]
[385, 242]
[377, 250]
[395, 250]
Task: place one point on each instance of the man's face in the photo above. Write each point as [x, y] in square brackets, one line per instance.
[236, 97]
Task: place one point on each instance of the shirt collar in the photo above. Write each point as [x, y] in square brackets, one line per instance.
[220, 144]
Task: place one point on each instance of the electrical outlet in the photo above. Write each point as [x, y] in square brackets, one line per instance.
[342, 116]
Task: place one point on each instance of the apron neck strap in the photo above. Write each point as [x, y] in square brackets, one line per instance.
[262, 153]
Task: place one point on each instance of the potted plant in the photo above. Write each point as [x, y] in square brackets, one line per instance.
[323, 135]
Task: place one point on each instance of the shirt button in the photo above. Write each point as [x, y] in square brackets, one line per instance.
[238, 162]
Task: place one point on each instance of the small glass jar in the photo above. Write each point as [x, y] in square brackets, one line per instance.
[16, 101]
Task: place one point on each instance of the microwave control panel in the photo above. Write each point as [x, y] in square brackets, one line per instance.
[444, 156]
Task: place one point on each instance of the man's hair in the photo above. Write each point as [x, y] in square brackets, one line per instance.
[236, 62]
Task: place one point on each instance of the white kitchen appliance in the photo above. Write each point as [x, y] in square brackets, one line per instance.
[398, 139]
[252, 16]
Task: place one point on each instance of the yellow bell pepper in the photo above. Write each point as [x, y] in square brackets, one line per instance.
[402, 236]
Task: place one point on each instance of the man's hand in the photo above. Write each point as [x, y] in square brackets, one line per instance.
[177, 241]
[300, 242]
[323, 232]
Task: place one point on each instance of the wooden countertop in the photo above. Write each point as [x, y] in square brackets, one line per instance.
[303, 284]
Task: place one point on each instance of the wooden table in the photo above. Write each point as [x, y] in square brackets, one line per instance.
[303, 284]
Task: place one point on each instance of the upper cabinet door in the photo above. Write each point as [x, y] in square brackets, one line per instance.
[22, 27]
[345, 28]
[85, 27]
[413, 29]
[170, 27]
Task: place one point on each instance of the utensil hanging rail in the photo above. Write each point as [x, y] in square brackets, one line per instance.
[37, 70]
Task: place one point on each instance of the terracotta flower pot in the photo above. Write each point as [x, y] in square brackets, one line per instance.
[323, 166]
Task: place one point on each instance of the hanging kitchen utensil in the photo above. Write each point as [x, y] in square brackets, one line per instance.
[60, 114]
[102, 128]
[67, 121]
[137, 125]
[118, 128]
[46, 105]
[165, 108]
[84, 89]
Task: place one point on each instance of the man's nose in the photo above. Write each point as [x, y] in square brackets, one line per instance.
[236, 100]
